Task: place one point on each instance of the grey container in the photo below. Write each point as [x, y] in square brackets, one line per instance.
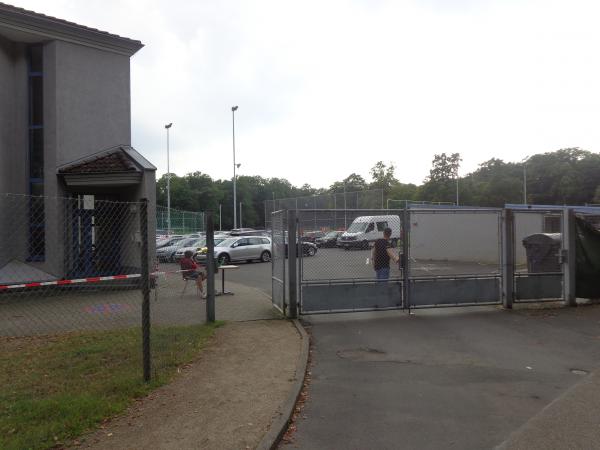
[543, 252]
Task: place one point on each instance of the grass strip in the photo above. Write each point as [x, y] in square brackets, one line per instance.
[54, 389]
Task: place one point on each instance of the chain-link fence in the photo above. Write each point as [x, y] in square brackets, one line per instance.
[367, 199]
[68, 264]
[75, 266]
[174, 221]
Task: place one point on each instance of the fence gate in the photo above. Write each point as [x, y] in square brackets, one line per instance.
[278, 269]
[450, 257]
[339, 276]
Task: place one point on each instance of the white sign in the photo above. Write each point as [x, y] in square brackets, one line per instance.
[88, 202]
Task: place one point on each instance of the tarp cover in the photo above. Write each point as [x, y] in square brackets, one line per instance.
[588, 260]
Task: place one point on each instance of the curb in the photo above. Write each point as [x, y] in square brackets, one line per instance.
[279, 426]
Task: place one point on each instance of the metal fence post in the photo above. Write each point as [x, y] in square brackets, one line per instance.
[292, 279]
[508, 258]
[405, 258]
[210, 269]
[568, 257]
[145, 278]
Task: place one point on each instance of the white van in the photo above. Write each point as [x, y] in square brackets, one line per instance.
[366, 229]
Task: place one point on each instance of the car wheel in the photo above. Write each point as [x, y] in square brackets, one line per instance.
[311, 251]
[265, 256]
[365, 244]
[223, 259]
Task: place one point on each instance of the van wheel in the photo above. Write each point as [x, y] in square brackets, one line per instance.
[366, 245]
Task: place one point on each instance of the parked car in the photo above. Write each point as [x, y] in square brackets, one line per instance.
[243, 248]
[166, 254]
[247, 232]
[308, 249]
[201, 252]
[191, 246]
[329, 239]
[171, 240]
[312, 236]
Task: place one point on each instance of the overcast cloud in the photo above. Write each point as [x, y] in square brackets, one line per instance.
[327, 88]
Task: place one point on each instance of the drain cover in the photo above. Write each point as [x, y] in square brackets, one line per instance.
[579, 371]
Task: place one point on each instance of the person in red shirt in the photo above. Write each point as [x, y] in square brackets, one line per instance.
[192, 271]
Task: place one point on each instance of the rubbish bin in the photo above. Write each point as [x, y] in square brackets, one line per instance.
[543, 252]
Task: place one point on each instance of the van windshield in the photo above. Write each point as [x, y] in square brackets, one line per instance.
[357, 227]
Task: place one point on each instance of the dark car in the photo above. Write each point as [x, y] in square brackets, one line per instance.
[312, 236]
[308, 249]
[329, 240]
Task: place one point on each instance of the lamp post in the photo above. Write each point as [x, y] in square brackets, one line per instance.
[167, 127]
[525, 179]
[233, 110]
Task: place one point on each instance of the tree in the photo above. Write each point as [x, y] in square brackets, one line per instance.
[383, 176]
[444, 167]
[352, 182]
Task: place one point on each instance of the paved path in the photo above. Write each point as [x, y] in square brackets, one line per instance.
[572, 421]
[227, 399]
[48, 313]
[447, 378]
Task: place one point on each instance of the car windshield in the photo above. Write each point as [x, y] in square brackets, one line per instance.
[331, 234]
[357, 227]
[219, 240]
[226, 242]
[186, 242]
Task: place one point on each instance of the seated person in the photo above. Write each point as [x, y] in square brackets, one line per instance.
[192, 271]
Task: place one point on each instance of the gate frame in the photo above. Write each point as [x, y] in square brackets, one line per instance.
[292, 284]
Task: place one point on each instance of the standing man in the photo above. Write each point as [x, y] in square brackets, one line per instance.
[381, 255]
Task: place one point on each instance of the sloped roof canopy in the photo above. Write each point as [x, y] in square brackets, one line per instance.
[21, 25]
[117, 166]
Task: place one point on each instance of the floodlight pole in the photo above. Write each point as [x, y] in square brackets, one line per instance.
[233, 110]
[167, 127]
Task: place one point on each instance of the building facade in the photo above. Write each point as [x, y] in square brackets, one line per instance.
[65, 133]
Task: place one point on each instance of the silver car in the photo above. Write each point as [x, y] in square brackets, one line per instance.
[191, 246]
[243, 248]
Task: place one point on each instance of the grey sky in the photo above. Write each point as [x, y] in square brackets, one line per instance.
[328, 88]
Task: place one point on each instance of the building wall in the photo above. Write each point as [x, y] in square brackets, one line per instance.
[92, 101]
[14, 150]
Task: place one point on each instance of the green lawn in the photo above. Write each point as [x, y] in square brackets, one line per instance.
[53, 389]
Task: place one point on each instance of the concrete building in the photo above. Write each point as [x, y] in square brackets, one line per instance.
[65, 132]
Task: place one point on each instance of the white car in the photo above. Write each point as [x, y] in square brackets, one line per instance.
[243, 248]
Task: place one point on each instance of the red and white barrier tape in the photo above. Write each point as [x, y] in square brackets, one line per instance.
[83, 280]
[64, 282]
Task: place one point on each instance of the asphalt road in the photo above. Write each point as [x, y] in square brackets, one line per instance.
[440, 379]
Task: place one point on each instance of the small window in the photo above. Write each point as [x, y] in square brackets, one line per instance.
[370, 228]
[36, 164]
[36, 96]
[36, 59]
[265, 241]
[381, 226]
[242, 242]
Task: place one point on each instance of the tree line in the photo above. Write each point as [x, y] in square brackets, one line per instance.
[569, 176]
